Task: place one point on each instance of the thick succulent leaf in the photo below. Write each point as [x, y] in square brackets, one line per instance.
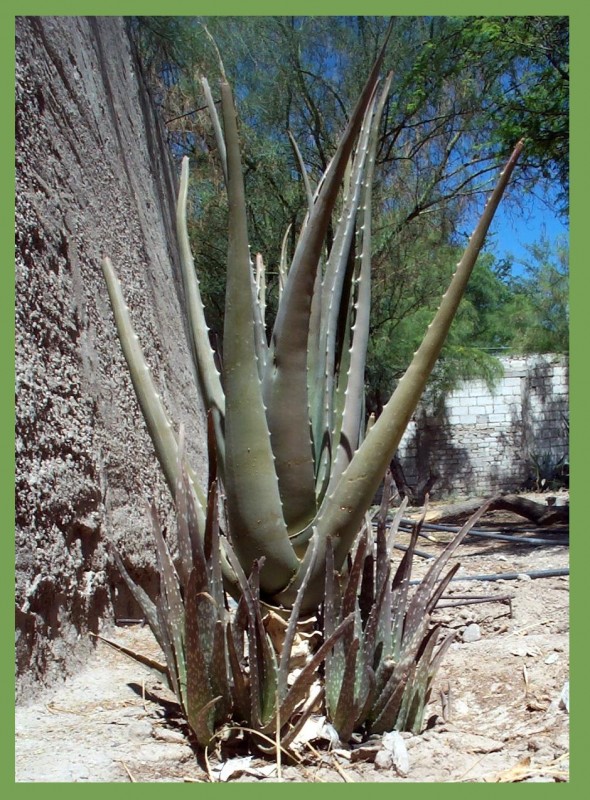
[170, 605]
[285, 658]
[189, 534]
[258, 280]
[352, 414]
[393, 528]
[335, 661]
[185, 546]
[219, 672]
[337, 297]
[400, 589]
[303, 171]
[154, 413]
[426, 587]
[198, 637]
[178, 683]
[160, 669]
[254, 503]
[343, 509]
[402, 715]
[367, 590]
[219, 141]
[378, 620]
[304, 680]
[141, 596]
[419, 686]
[286, 395]
[349, 601]
[388, 714]
[240, 684]
[345, 714]
[170, 586]
[255, 641]
[408, 654]
[208, 377]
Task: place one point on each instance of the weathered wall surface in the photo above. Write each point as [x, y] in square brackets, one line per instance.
[93, 177]
[484, 442]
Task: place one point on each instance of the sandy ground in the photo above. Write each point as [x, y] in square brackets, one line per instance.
[499, 711]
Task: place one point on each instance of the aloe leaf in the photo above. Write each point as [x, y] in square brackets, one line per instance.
[254, 503]
[378, 619]
[335, 661]
[219, 672]
[189, 534]
[185, 544]
[344, 716]
[366, 598]
[400, 589]
[283, 264]
[286, 395]
[393, 528]
[343, 508]
[170, 601]
[419, 685]
[200, 722]
[385, 720]
[259, 311]
[349, 436]
[172, 660]
[219, 141]
[240, 686]
[146, 604]
[349, 601]
[255, 656]
[407, 656]
[285, 658]
[160, 669]
[198, 640]
[208, 376]
[335, 293]
[303, 171]
[156, 418]
[425, 589]
[306, 677]
[400, 719]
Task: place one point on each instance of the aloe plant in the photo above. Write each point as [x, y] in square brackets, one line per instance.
[295, 464]
[379, 675]
[221, 666]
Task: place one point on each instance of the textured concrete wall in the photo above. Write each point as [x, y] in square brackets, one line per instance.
[483, 442]
[93, 177]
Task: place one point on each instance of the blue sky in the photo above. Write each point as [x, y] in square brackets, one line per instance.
[512, 231]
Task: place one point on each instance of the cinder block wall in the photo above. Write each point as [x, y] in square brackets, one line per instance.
[483, 442]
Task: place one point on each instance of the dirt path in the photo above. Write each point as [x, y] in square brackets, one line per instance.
[506, 714]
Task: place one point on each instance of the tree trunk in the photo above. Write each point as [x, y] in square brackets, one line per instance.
[538, 513]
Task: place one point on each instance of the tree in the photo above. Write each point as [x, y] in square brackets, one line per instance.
[466, 89]
[540, 308]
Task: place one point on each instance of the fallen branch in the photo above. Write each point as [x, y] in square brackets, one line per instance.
[538, 513]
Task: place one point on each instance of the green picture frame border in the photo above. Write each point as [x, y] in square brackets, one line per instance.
[579, 13]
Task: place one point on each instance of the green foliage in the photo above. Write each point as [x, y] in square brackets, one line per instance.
[539, 311]
[466, 89]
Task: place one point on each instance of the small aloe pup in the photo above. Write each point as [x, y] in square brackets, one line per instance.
[287, 410]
